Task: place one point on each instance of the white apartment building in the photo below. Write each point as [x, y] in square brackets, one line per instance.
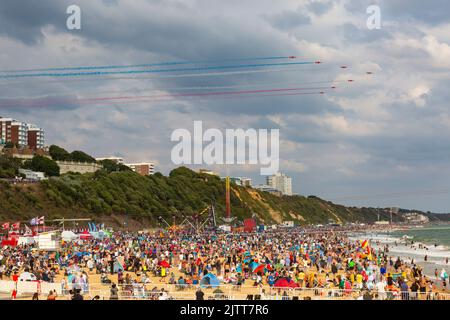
[22, 130]
[142, 168]
[281, 182]
[117, 160]
[242, 181]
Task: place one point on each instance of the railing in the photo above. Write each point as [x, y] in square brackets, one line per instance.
[234, 292]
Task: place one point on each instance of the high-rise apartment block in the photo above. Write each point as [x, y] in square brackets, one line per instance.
[21, 133]
[281, 182]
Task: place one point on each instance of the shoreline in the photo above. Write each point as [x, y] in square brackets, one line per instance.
[409, 249]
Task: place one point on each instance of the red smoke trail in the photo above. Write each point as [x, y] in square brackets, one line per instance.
[200, 94]
[55, 102]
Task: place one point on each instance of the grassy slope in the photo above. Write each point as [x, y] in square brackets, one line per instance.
[104, 196]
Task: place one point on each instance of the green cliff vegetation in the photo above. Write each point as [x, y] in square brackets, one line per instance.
[107, 194]
[60, 154]
[116, 193]
[9, 166]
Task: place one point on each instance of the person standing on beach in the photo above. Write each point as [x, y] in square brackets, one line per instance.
[76, 295]
[423, 285]
[334, 270]
[51, 295]
[414, 288]
[444, 277]
[199, 295]
[114, 292]
[359, 281]
[404, 289]
[381, 288]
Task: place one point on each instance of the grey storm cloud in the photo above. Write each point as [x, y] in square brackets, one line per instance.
[288, 20]
[432, 12]
[386, 132]
[282, 105]
[352, 33]
[320, 7]
[24, 20]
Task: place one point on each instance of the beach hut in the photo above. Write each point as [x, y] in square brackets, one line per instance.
[210, 281]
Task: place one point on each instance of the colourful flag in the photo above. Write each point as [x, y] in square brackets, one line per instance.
[5, 226]
[364, 244]
[16, 226]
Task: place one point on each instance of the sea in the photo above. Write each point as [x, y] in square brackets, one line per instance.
[414, 244]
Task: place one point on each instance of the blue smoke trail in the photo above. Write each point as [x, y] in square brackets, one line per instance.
[100, 73]
[144, 65]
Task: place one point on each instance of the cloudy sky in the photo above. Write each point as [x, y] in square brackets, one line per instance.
[383, 140]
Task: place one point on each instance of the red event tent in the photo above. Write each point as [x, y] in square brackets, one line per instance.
[85, 235]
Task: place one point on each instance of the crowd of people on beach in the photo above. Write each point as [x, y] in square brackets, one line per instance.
[318, 262]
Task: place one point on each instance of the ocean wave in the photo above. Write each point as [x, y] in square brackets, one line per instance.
[435, 254]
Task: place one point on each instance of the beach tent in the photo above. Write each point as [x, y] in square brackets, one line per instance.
[285, 283]
[11, 240]
[107, 233]
[259, 269]
[249, 225]
[262, 268]
[253, 265]
[68, 235]
[209, 280]
[98, 234]
[85, 235]
[164, 264]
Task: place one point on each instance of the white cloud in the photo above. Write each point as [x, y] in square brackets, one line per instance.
[381, 129]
